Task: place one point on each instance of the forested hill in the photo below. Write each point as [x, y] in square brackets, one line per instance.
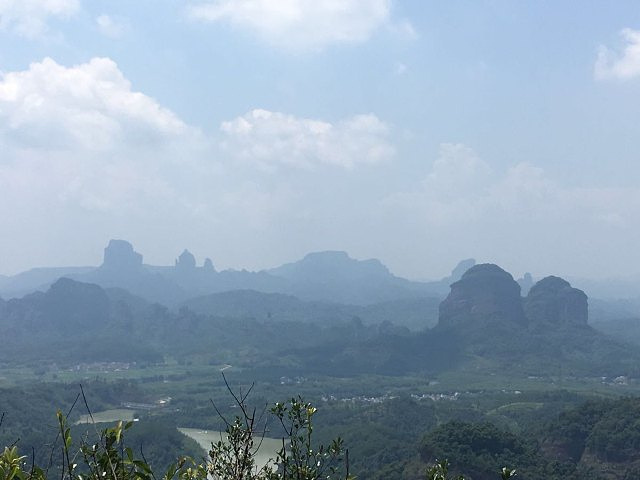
[414, 313]
[545, 331]
[483, 324]
[597, 440]
[75, 322]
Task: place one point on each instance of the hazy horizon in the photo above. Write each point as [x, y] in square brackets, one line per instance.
[434, 276]
[254, 132]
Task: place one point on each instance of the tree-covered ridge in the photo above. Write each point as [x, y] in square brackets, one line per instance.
[486, 328]
[398, 438]
[109, 454]
[483, 321]
[596, 441]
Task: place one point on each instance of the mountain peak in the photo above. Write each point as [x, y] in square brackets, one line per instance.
[553, 300]
[327, 255]
[208, 265]
[486, 270]
[485, 293]
[186, 261]
[461, 268]
[335, 276]
[332, 264]
[119, 254]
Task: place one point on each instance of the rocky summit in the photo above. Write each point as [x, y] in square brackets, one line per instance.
[186, 261]
[485, 294]
[119, 254]
[553, 301]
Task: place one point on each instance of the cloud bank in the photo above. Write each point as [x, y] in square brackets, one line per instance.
[517, 215]
[84, 151]
[298, 24]
[620, 65]
[270, 139]
[89, 106]
[81, 136]
[29, 17]
[462, 188]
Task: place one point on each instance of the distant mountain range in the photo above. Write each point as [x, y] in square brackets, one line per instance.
[484, 324]
[330, 276]
[323, 276]
[413, 313]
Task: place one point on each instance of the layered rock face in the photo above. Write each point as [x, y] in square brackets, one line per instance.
[119, 255]
[526, 282]
[186, 261]
[553, 301]
[461, 269]
[485, 294]
[208, 265]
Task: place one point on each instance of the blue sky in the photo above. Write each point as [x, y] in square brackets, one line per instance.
[255, 131]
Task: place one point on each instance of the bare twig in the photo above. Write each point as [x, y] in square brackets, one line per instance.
[86, 404]
[145, 461]
[73, 405]
[53, 445]
[219, 414]
[239, 401]
[346, 461]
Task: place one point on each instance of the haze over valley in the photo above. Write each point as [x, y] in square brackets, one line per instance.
[153, 335]
[319, 239]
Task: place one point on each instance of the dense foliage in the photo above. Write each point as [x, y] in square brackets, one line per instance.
[110, 456]
[402, 400]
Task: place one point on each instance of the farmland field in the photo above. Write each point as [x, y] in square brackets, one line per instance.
[107, 416]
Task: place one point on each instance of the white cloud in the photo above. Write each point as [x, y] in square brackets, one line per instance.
[29, 17]
[462, 187]
[82, 136]
[457, 170]
[110, 27]
[85, 157]
[82, 139]
[270, 139]
[518, 216]
[91, 106]
[300, 24]
[622, 65]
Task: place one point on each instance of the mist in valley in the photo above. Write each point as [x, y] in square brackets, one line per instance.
[408, 225]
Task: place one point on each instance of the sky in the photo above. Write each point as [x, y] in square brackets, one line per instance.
[255, 131]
